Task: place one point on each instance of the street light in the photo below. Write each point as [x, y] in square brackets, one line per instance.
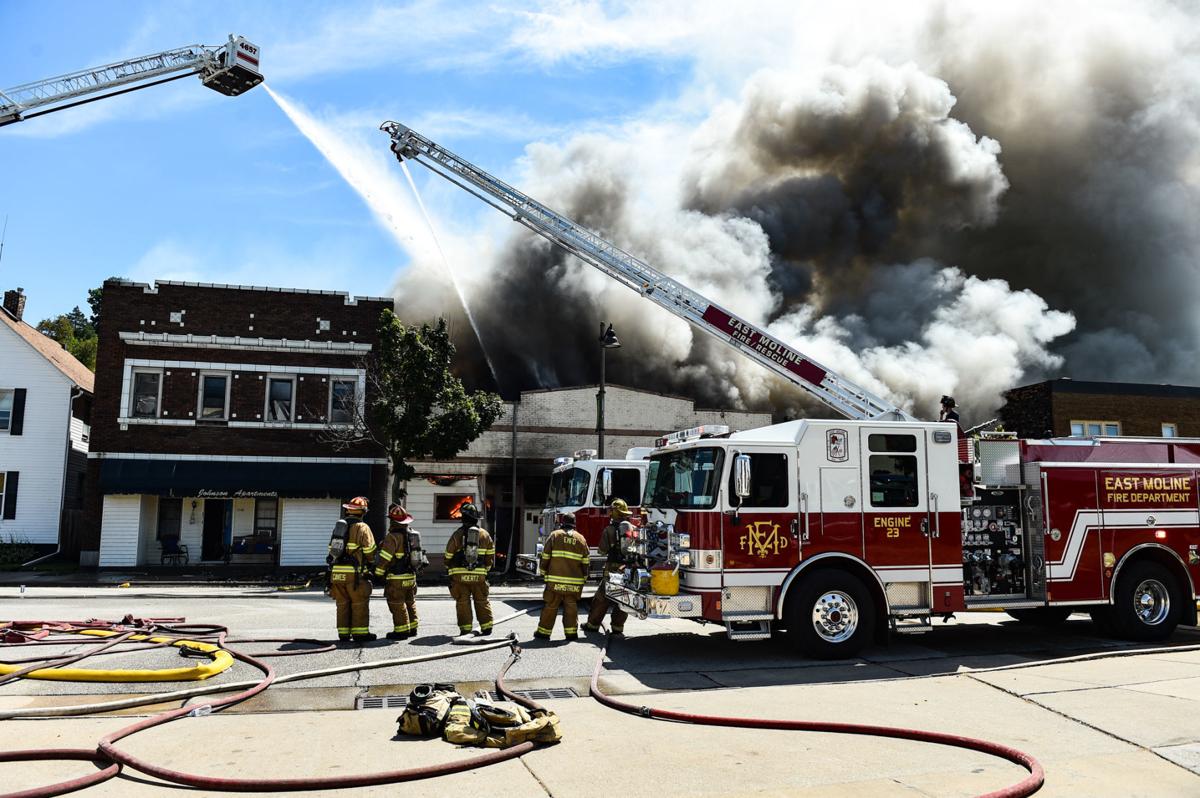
[608, 340]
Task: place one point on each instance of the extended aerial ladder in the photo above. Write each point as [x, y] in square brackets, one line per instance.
[231, 68]
[838, 393]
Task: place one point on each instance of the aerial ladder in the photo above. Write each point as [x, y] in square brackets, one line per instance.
[845, 397]
[231, 68]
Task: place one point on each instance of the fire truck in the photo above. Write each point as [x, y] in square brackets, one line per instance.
[586, 486]
[837, 531]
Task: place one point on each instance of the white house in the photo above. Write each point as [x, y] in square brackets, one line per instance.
[45, 402]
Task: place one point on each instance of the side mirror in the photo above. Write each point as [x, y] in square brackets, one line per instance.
[606, 484]
[741, 476]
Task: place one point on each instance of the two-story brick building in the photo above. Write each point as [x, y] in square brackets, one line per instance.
[1079, 408]
[211, 426]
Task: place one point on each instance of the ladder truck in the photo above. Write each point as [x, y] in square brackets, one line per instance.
[836, 532]
[231, 68]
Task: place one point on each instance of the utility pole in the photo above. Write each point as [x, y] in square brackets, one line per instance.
[608, 340]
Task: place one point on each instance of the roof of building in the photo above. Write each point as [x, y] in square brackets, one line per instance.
[53, 351]
[147, 288]
[1068, 385]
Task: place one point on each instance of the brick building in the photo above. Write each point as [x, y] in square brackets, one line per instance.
[510, 464]
[211, 422]
[1066, 407]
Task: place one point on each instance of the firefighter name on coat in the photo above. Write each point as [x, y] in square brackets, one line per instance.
[762, 539]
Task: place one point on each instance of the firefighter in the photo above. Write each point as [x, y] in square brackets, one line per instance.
[350, 554]
[949, 412]
[395, 568]
[565, 568]
[610, 546]
[470, 553]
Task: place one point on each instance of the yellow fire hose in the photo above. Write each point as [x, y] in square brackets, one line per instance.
[219, 661]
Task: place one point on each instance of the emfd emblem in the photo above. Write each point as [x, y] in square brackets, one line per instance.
[762, 539]
[837, 449]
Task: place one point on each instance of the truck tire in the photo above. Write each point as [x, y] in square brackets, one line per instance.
[1041, 616]
[830, 615]
[1147, 603]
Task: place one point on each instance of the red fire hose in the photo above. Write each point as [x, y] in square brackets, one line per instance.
[1027, 786]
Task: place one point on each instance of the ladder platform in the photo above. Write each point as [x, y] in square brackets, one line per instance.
[748, 630]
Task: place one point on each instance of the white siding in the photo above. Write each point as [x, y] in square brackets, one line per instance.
[243, 517]
[119, 531]
[304, 529]
[39, 453]
[421, 503]
[191, 527]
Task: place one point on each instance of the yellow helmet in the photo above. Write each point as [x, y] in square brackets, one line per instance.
[356, 506]
[620, 508]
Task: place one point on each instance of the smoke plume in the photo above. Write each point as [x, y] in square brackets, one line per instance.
[996, 196]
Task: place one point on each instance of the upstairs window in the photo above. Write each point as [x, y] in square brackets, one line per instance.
[343, 401]
[146, 398]
[214, 397]
[280, 393]
[1170, 430]
[1088, 428]
[6, 406]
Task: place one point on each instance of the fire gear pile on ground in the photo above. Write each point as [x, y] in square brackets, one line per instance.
[439, 710]
[470, 553]
[564, 567]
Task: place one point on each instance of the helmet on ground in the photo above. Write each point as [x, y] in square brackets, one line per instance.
[397, 513]
[566, 520]
[620, 508]
[356, 505]
[469, 512]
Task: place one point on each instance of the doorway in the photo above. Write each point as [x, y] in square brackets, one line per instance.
[217, 517]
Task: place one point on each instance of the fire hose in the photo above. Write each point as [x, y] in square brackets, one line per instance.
[1027, 786]
[112, 759]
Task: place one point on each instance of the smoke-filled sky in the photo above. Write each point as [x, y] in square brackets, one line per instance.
[927, 197]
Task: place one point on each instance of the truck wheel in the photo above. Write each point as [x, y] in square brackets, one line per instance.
[1041, 616]
[831, 615]
[1147, 603]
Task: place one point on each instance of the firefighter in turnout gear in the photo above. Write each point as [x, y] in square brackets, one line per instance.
[564, 566]
[470, 553]
[610, 546]
[397, 569]
[351, 549]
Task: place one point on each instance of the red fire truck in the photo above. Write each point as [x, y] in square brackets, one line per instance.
[585, 486]
[836, 531]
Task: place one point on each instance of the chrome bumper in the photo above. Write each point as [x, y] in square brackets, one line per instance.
[527, 565]
[649, 605]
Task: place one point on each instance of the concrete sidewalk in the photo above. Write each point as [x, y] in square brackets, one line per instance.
[1109, 727]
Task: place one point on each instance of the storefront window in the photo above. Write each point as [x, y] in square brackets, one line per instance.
[266, 517]
[170, 518]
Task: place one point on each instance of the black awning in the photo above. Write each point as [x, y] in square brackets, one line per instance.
[233, 479]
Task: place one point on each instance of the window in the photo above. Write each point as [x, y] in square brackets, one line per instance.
[1170, 430]
[687, 479]
[343, 401]
[280, 393]
[626, 484]
[448, 506]
[1, 491]
[170, 516]
[893, 477]
[6, 406]
[266, 517]
[1095, 429]
[768, 481]
[147, 394]
[214, 396]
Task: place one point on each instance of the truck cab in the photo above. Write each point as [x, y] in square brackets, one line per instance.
[586, 486]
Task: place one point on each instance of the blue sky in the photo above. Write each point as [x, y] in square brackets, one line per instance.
[180, 182]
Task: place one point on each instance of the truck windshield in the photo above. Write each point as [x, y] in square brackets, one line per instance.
[569, 488]
[686, 479]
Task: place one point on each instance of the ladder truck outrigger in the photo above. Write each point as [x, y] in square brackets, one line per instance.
[837, 531]
[231, 68]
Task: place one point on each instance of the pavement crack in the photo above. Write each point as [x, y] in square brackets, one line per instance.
[536, 777]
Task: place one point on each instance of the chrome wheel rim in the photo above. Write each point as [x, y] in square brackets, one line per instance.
[835, 616]
[1151, 602]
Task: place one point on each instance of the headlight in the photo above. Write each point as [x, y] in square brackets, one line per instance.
[683, 540]
[685, 559]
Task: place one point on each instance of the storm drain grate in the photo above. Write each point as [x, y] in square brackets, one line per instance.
[401, 701]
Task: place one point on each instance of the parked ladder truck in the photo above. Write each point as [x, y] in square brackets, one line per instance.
[231, 68]
[835, 531]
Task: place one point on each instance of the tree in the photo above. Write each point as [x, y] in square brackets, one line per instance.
[417, 407]
[95, 297]
[74, 333]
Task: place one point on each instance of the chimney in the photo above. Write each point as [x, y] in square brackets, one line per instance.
[14, 303]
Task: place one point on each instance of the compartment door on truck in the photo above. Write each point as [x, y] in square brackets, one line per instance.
[896, 524]
[762, 537]
[1073, 539]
